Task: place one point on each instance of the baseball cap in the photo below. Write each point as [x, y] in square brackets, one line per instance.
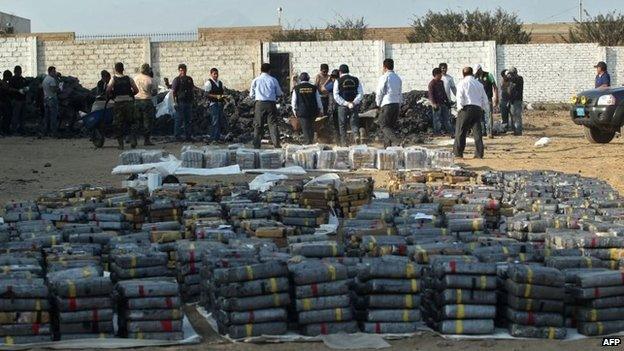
[476, 68]
[602, 65]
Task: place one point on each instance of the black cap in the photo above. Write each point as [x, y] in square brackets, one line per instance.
[602, 65]
[343, 69]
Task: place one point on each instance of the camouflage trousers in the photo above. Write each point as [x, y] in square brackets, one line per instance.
[124, 118]
[145, 112]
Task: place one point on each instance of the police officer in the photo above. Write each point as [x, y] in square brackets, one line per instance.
[215, 90]
[348, 93]
[491, 91]
[122, 90]
[307, 104]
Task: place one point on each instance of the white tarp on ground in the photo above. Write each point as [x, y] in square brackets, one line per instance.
[190, 337]
[503, 334]
[174, 166]
[291, 170]
[265, 181]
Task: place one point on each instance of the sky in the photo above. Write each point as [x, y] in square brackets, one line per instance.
[156, 16]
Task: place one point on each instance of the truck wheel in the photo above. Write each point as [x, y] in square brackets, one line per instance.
[599, 136]
[98, 138]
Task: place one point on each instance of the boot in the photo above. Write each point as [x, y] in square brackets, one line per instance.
[147, 141]
[362, 135]
[120, 143]
[133, 141]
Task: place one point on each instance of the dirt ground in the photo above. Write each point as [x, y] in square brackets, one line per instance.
[29, 167]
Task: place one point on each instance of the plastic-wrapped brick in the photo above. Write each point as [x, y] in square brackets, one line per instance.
[526, 331]
[329, 328]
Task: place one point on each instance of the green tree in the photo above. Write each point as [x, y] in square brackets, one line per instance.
[347, 29]
[607, 30]
[499, 25]
[342, 29]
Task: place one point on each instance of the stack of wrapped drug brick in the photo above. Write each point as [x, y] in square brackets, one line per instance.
[192, 157]
[82, 303]
[388, 295]
[67, 255]
[189, 261]
[284, 192]
[322, 300]
[149, 309]
[304, 220]
[535, 301]
[600, 302]
[25, 313]
[132, 261]
[460, 298]
[251, 300]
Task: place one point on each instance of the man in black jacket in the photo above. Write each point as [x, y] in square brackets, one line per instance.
[183, 96]
[307, 104]
[348, 93]
[122, 89]
[19, 85]
[516, 96]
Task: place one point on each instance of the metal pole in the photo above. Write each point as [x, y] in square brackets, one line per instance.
[581, 10]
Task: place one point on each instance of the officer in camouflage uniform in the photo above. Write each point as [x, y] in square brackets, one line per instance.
[122, 90]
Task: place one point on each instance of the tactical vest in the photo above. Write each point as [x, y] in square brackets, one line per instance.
[487, 84]
[122, 86]
[306, 99]
[215, 89]
[348, 87]
[185, 89]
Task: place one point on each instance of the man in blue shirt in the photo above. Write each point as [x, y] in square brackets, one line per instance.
[603, 79]
[265, 90]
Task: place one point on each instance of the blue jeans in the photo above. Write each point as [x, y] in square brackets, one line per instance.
[488, 120]
[516, 117]
[353, 118]
[217, 120]
[442, 120]
[183, 114]
[50, 122]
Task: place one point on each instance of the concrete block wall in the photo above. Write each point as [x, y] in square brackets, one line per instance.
[86, 59]
[552, 72]
[19, 51]
[615, 64]
[414, 62]
[364, 58]
[238, 61]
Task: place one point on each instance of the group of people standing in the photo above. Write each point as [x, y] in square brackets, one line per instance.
[339, 95]
[13, 89]
[134, 109]
[507, 98]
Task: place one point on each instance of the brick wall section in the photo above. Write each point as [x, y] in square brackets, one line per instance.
[615, 65]
[86, 59]
[19, 51]
[238, 61]
[552, 72]
[414, 62]
[363, 57]
[262, 33]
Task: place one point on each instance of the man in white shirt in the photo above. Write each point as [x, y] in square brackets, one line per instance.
[348, 94]
[51, 89]
[449, 82]
[388, 97]
[214, 88]
[265, 90]
[471, 104]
